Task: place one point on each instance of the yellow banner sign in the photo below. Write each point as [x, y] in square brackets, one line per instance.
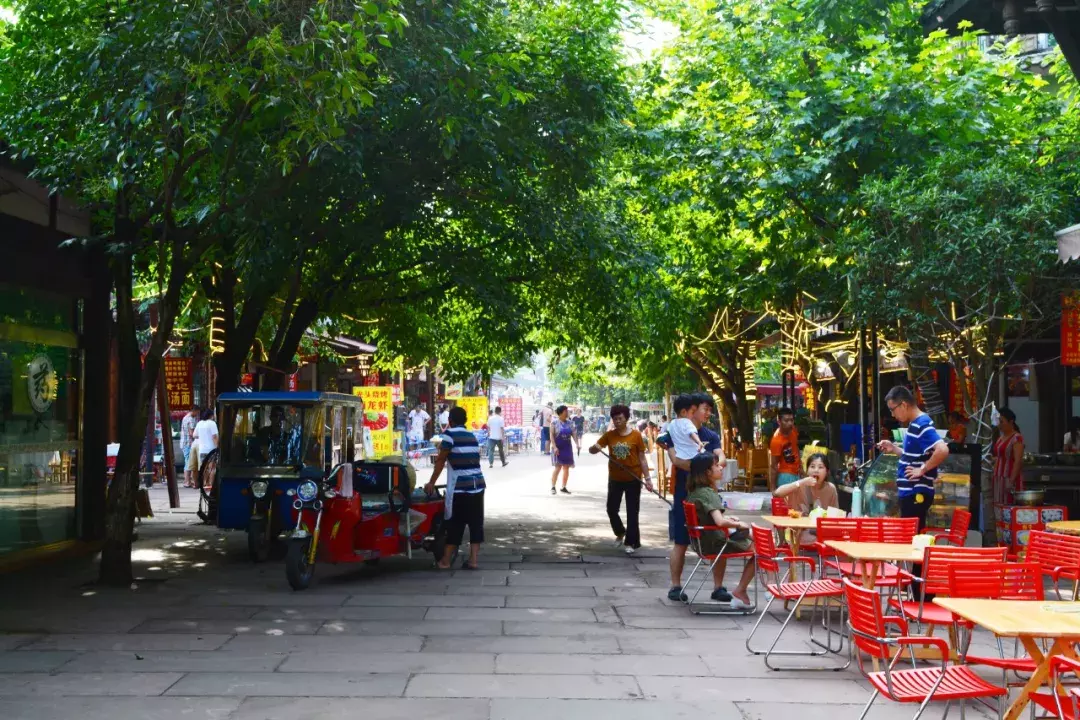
[378, 418]
[476, 411]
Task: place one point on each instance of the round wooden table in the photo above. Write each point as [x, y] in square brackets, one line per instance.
[1065, 527]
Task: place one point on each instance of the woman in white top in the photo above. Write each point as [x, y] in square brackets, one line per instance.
[206, 434]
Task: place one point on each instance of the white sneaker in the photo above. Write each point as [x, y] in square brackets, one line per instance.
[630, 550]
[618, 543]
[737, 604]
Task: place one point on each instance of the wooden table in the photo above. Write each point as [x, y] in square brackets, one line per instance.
[1028, 620]
[1065, 527]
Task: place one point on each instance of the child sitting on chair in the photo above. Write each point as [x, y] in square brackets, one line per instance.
[705, 472]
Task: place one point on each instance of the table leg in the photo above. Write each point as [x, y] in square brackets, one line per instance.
[1042, 671]
[869, 573]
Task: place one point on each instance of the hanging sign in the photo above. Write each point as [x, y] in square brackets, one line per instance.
[476, 411]
[956, 391]
[179, 383]
[512, 411]
[455, 391]
[1070, 329]
[378, 412]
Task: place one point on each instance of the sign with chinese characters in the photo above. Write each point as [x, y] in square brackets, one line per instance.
[512, 411]
[476, 411]
[455, 391]
[371, 380]
[1070, 329]
[179, 383]
[395, 391]
[294, 382]
[809, 398]
[956, 391]
[41, 385]
[378, 414]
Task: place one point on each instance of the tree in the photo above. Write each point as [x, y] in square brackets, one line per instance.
[164, 118]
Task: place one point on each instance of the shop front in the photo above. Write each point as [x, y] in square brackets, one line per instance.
[53, 378]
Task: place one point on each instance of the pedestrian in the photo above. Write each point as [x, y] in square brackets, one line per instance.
[706, 470]
[924, 450]
[663, 424]
[957, 428]
[684, 436]
[579, 427]
[187, 436]
[496, 437]
[628, 469]
[418, 420]
[699, 407]
[546, 415]
[1071, 443]
[206, 434]
[784, 465]
[464, 490]
[1008, 451]
[563, 441]
[444, 418]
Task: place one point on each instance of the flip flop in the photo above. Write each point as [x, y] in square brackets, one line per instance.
[467, 566]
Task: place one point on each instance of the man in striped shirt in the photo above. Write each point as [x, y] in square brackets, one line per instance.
[924, 450]
[464, 489]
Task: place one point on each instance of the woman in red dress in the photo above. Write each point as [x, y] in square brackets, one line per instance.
[1008, 458]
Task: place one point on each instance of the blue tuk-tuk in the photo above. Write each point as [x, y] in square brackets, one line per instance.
[270, 442]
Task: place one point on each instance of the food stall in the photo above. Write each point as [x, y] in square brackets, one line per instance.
[1058, 476]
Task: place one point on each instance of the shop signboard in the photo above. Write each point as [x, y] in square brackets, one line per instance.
[378, 415]
[179, 383]
[455, 391]
[1070, 329]
[395, 393]
[647, 407]
[512, 411]
[476, 411]
[956, 392]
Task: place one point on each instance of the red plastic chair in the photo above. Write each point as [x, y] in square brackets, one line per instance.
[898, 530]
[1060, 706]
[935, 581]
[836, 530]
[780, 506]
[769, 560]
[956, 535]
[1057, 555]
[947, 683]
[694, 529]
[867, 530]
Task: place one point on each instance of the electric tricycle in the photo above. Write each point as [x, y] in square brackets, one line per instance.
[361, 512]
[270, 443]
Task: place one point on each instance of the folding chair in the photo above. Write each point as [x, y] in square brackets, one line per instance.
[949, 683]
[768, 561]
[694, 529]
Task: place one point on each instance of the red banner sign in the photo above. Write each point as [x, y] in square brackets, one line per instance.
[1070, 329]
[294, 382]
[511, 410]
[956, 392]
[179, 383]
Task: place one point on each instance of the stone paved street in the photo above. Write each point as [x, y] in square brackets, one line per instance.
[557, 624]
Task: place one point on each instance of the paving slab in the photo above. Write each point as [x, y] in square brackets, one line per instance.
[512, 614]
[557, 582]
[203, 612]
[305, 708]
[588, 629]
[87, 683]
[409, 663]
[322, 614]
[522, 644]
[426, 601]
[802, 691]
[420, 627]
[882, 710]
[311, 684]
[537, 709]
[684, 622]
[281, 599]
[33, 661]
[13, 641]
[34, 623]
[116, 708]
[254, 644]
[133, 642]
[172, 661]
[564, 664]
[547, 571]
[556, 603]
[534, 590]
[229, 627]
[523, 686]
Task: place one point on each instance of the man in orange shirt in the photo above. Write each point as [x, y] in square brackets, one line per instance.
[784, 466]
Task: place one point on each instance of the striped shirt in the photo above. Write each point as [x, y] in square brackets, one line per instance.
[464, 460]
[919, 444]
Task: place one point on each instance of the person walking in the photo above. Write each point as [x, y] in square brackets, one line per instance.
[1008, 454]
[563, 441]
[465, 488]
[546, 415]
[187, 437]
[206, 434]
[579, 428]
[628, 469]
[924, 450]
[784, 465]
[496, 437]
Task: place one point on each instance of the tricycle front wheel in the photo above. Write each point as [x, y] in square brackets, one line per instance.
[258, 536]
[298, 570]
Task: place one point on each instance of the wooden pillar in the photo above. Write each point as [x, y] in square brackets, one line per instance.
[167, 457]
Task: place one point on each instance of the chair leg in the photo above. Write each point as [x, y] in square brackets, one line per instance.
[866, 709]
[690, 577]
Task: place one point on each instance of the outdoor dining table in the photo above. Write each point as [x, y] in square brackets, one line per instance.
[1030, 621]
[1065, 527]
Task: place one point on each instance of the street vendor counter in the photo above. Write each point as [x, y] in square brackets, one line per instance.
[1061, 483]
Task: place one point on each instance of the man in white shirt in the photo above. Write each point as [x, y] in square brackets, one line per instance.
[418, 420]
[206, 435]
[444, 418]
[496, 425]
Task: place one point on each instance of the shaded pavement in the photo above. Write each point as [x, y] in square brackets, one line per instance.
[557, 623]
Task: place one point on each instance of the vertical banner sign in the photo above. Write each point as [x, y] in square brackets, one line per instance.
[395, 392]
[476, 411]
[294, 382]
[956, 392]
[179, 383]
[512, 411]
[1070, 329]
[378, 410]
[809, 398]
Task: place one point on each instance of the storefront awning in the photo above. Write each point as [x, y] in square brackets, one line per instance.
[1068, 243]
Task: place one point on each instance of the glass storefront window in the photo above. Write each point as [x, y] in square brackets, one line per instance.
[40, 371]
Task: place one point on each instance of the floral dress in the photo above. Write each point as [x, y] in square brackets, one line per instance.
[563, 453]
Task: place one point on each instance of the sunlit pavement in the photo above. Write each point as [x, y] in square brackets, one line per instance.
[556, 624]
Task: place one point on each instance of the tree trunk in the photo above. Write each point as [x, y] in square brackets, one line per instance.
[281, 359]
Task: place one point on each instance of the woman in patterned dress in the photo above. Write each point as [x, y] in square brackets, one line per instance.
[563, 440]
[1008, 458]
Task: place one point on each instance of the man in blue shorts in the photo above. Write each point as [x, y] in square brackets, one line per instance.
[701, 406]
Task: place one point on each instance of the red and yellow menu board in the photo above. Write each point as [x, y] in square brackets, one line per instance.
[1070, 329]
[179, 383]
[378, 417]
